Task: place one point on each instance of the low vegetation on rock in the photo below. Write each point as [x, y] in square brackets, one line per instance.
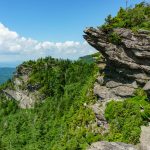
[126, 118]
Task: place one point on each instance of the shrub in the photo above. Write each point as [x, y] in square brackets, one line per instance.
[114, 38]
[127, 117]
[137, 17]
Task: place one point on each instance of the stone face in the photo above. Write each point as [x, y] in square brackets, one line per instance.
[129, 59]
[127, 68]
[112, 91]
[25, 99]
[100, 80]
[123, 91]
[111, 146]
[145, 138]
[147, 86]
[26, 94]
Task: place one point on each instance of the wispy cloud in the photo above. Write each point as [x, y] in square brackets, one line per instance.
[14, 47]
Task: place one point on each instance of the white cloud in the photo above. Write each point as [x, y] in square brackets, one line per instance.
[14, 47]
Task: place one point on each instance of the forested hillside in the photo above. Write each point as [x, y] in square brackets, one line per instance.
[134, 18]
[62, 120]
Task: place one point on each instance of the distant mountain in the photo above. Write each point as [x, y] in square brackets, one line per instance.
[5, 74]
[91, 58]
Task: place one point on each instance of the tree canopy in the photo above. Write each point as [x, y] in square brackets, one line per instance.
[134, 18]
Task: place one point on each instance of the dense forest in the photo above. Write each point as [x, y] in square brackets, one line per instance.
[134, 18]
[61, 121]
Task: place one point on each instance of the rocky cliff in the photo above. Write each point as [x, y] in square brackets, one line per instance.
[20, 90]
[129, 58]
[126, 55]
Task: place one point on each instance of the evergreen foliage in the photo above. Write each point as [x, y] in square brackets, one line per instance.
[62, 121]
[132, 18]
[114, 38]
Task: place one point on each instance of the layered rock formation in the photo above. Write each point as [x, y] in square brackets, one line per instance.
[127, 68]
[127, 64]
[129, 59]
[145, 138]
[24, 93]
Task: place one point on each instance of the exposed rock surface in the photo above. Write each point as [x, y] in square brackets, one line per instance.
[111, 146]
[128, 60]
[21, 91]
[127, 65]
[145, 138]
[127, 68]
[107, 89]
[25, 99]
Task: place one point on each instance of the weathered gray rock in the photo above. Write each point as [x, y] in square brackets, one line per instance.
[111, 146]
[145, 138]
[26, 94]
[123, 91]
[103, 92]
[100, 80]
[134, 85]
[25, 99]
[113, 84]
[147, 86]
[113, 90]
[128, 60]
[127, 68]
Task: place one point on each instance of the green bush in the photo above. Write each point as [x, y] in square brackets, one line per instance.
[127, 117]
[137, 17]
[114, 38]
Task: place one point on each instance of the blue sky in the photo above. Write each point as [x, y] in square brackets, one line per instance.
[59, 22]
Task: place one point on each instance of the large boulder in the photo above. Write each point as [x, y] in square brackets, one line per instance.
[111, 146]
[145, 138]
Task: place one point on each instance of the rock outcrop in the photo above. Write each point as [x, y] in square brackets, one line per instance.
[128, 60]
[111, 146]
[127, 68]
[26, 95]
[145, 138]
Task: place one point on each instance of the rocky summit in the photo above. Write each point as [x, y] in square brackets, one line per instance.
[127, 67]
[111, 146]
[127, 60]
